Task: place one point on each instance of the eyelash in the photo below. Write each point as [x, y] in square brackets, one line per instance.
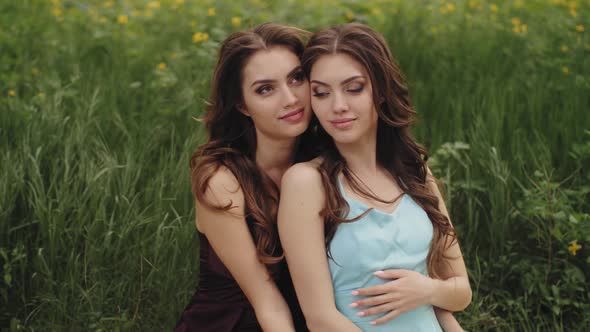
[296, 79]
[323, 94]
[261, 90]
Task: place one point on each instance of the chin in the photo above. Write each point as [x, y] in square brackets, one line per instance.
[295, 130]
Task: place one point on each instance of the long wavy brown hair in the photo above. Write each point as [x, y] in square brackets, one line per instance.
[232, 137]
[397, 151]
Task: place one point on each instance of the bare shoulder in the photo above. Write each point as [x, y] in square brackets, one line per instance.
[223, 188]
[302, 175]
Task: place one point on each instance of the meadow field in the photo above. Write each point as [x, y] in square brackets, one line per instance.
[98, 101]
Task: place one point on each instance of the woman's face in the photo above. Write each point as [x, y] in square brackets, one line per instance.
[276, 93]
[342, 99]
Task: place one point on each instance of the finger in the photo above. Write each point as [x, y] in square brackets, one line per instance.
[389, 316]
[373, 290]
[391, 274]
[374, 300]
[377, 310]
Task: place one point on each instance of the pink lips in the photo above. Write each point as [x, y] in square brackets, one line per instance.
[343, 123]
[293, 116]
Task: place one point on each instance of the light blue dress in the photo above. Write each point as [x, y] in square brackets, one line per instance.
[380, 241]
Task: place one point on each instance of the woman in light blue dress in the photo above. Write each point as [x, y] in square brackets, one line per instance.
[367, 237]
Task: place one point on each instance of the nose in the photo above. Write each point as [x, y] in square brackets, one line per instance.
[290, 97]
[339, 104]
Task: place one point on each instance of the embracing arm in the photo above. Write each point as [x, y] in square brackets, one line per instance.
[230, 238]
[452, 292]
[301, 230]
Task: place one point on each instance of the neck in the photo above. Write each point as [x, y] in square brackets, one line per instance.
[361, 156]
[275, 156]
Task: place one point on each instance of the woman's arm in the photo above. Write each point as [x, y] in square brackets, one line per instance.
[453, 291]
[447, 321]
[230, 238]
[301, 230]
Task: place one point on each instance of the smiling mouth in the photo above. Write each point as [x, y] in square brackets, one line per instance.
[290, 114]
[342, 121]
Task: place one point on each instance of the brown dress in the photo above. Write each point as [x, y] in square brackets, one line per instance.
[219, 304]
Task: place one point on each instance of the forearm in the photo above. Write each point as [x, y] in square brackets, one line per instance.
[447, 321]
[330, 321]
[453, 294]
[277, 318]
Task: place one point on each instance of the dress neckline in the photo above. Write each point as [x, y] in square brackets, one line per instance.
[364, 206]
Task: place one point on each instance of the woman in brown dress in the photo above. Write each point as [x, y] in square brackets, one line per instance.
[257, 122]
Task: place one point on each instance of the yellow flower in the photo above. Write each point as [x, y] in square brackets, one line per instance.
[516, 29]
[154, 5]
[566, 71]
[494, 8]
[149, 12]
[573, 12]
[56, 11]
[122, 19]
[523, 27]
[179, 2]
[108, 4]
[35, 71]
[349, 15]
[564, 48]
[162, 66]
[211, 11]
[236, 21]
[41, 94]
[515, 21]
[11, 93]
[579, 28]
[135, 13]
[200, 37]
[55, 2]
[574, 247]
[473, 4]
[450, 7]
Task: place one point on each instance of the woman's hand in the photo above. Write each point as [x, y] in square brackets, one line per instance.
[408, 291]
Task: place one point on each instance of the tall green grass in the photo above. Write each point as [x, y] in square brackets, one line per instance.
[96, 128]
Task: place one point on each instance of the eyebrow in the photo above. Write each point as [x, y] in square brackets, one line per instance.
[289, 75]
[341, 83]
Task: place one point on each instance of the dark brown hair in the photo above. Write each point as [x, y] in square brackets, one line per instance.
[397, 152]
[232, 136]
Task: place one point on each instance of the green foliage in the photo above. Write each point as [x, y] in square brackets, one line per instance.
[97, 100]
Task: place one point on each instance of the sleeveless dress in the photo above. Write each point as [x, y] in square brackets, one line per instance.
[220, 305]
[380, 241]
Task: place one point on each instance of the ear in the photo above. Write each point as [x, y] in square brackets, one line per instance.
[243, 109]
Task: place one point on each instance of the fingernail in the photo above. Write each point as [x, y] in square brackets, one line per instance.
[378, 272]
[360, 314]
[354, 305]
[355, 293]
[373, 323]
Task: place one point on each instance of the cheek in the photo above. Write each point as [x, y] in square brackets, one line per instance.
[303, 93]
[319, 108]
